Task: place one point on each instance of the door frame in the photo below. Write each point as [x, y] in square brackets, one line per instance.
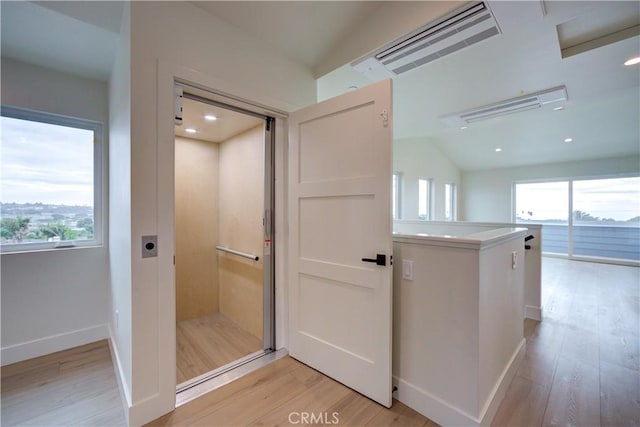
[168, 74]
[207, 96]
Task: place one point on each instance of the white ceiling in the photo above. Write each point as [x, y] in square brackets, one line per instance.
[305, 31]
[601, 114]
[79, 38]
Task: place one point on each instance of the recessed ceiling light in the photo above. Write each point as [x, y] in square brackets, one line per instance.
[632, 61]
[568, 140]
[190, 130]
[210, 117]
[498, 150]
[558, 108]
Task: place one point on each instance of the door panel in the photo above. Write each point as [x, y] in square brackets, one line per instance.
[324, 156]
[317, 293]
[340, 212]
[324, 243]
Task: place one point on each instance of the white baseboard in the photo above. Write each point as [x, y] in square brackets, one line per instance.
[500, 388]
[446, 414]
[142, 411]
[51, 344]
[431, 406]
[120, 377]
[531, 312]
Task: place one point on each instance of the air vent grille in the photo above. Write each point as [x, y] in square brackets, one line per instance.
[508, 106]
[462, 28]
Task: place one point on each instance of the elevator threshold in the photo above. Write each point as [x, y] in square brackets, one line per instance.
[196, 387]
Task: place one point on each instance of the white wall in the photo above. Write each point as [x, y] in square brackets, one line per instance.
[487, 194]
[120, 210]
[420, 158]
[57, 299]
[169, 39]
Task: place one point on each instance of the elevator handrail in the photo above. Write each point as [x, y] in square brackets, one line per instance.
[239, 253]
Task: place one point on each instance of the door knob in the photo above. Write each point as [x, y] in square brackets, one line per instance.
[380, 259]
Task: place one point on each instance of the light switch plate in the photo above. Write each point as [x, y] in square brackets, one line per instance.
[407, 269]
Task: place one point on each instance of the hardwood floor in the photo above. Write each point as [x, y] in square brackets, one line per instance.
[283, 392]
[75, 387]
[581, 368]
[582, 364]
[206, 343]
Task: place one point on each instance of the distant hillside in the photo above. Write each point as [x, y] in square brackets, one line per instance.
[42, 209]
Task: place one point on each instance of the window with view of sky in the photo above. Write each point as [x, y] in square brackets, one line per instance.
[47, 173]
[604, 220]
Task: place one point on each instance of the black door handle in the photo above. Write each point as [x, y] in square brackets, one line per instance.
[380, 259]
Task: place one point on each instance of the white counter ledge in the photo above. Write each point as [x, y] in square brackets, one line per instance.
[476, 240]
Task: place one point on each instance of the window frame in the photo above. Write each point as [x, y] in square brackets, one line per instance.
[429, 199]
[396, 184]
[452, 201]
[98, 154]
[570, 221]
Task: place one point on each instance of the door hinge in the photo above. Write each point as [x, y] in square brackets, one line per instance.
[385, 118]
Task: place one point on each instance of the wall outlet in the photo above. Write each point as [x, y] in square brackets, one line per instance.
[407, 269]
[514, 260]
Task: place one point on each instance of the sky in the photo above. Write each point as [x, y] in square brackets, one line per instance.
[45, 163]
[617, 198]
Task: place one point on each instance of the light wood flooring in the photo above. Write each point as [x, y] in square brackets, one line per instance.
[269, 396]
[209, 342]
[74, 387]
[582, 364]
[581, 368]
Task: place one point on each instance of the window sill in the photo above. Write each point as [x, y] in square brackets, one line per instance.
[49, 247]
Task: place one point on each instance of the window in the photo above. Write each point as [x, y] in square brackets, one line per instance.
[51, 170]
[606, 218]
[584, 218]
[450, 202]
[545, 203]
[424, 198]
[396, 189]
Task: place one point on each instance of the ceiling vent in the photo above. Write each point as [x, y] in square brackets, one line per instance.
[463, 27]
[509, 106]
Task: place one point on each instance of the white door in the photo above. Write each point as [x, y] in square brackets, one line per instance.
[340, 212]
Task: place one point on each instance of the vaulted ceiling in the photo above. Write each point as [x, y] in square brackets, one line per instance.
[601, 114]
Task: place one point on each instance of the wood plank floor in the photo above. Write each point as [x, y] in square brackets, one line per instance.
[279, 394]
[582, 364]
[209, 342]
[74, 387]
[581, 368]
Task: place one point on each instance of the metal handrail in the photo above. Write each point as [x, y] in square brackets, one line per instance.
[239, 253]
